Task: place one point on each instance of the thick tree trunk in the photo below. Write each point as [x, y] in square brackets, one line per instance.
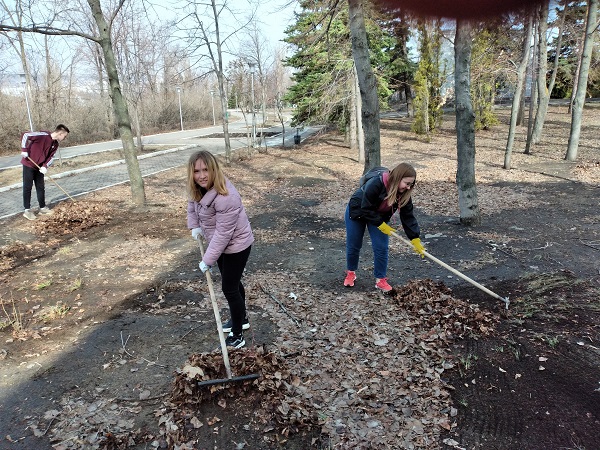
[465, 127]
[543, 91]
[516, 104]
[367, 84]
[584, 68]
[119, 106]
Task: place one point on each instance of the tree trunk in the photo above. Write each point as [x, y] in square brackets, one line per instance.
[542, 84]
[534, 90]
[119, 106]
[576, 76]
[218, 67]
[516, 104]
[138, 130]
[367, 84]
[465, 127]
[408, 94]
[352, 126]
[360, 135]
[584, 68]
[561, 28]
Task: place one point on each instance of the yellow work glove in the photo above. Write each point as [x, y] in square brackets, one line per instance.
[385, 228]
[416, 242]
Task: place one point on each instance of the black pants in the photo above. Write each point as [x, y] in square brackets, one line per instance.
[231, 266]
[31, 176]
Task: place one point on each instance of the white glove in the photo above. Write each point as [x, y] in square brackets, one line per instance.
[196, 232]
[24, 154]
[203, 267]
[43, 170]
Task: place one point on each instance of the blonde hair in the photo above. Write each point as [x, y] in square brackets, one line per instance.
[216, 178]
[402, 170]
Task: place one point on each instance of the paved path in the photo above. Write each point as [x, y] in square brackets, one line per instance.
[79, 182]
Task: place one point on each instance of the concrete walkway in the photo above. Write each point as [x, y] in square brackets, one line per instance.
[83, 181]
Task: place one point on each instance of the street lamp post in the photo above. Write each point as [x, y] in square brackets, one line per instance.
[24, 82]
[180, 113]
[212, 100]
[252, 67]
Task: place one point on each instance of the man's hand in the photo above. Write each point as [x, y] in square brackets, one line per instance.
[197, 232]
[203, 267]
[418, 247]
[386, 229]
[43, 170]
[24, 154]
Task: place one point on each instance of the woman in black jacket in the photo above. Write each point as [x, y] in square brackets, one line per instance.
[380, 195]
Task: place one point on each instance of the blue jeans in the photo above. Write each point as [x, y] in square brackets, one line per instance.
[355, 230]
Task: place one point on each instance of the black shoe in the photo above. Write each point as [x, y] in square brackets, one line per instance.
[227, 325]
[235, 340]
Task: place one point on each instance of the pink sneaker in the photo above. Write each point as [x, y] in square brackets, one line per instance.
[381, 283]
[350, 278]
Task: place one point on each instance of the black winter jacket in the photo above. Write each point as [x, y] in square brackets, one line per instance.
[365, 202]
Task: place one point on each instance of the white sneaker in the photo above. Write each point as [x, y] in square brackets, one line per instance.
[29, 215]
[46, 210]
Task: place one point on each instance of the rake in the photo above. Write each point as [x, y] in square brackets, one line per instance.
[230, 378]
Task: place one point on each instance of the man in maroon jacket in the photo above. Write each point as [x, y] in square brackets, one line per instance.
[37, 151]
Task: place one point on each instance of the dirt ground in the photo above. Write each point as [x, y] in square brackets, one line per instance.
[107, 324]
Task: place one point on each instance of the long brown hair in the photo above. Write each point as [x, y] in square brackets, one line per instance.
[216, 178]
[402, 170]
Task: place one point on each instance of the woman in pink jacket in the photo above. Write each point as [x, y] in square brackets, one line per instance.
[215, 211]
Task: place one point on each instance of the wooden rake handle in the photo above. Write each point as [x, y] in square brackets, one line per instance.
[215, 306]
[456, 272]
[52, 179]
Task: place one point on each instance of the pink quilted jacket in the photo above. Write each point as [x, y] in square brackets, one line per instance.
[224, 222]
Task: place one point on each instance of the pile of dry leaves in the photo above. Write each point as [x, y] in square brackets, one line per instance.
[366, 368]
[70, 217]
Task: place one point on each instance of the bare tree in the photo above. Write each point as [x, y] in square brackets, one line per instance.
[367, 84]
[139, 47]
[15, 18]
[205, 34]
[534, 86]
[542, 70]
[584, 68]
[516, 104]
[465, 126]
[261, 55]
[104, 40]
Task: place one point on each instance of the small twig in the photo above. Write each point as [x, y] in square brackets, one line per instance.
[123, 344]
[548, 244]
[496, 247]
[49, 425]
[280, 305]
[188, 332]
[156, 397]
[592, 245]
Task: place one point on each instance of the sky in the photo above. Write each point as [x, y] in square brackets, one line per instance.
[274, 17]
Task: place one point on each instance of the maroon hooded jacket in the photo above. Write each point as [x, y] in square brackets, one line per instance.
[41, 148]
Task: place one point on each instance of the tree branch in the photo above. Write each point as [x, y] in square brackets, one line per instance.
[49, 31]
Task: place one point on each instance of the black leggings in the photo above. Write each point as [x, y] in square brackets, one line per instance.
[30, 176]
[231, 266]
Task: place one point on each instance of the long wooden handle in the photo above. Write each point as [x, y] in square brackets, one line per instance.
[456, 272]
[215, 306]
[67, 194]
